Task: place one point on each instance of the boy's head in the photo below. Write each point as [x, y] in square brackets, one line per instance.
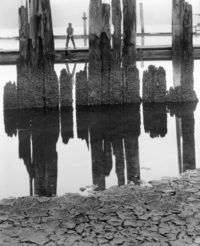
[69, 24]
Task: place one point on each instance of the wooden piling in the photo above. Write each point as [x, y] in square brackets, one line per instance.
[131, 85]
[23, 85]
[51, 87]
[82, 88]
[23, 34]
[129, 34]
[65, 89]
[95, 28]
[10, 96]
[154, 85]
[41, 32]
[105, 55]
[182, 53]
[116, 58]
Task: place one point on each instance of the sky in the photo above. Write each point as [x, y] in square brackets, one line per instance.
[64, 11]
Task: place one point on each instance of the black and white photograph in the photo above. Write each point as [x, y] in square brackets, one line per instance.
[99, 123]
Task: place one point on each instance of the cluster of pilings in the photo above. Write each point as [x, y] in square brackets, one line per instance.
[37, 82]
[112, 75]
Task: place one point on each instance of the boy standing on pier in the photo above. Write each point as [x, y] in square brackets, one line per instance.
[70, 32]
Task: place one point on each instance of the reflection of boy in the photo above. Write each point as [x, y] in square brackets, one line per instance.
[70, 32]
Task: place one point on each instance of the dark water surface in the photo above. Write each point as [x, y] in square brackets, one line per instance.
[55, 152]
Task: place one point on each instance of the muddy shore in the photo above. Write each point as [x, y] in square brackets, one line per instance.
[167, 213]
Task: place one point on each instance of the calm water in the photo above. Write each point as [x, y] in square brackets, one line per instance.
[59, 152]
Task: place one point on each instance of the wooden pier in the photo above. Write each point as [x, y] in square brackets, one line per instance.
[80, 55]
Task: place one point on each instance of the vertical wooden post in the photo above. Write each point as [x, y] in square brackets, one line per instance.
[142, 23]
[82, 88]
[23, 34]
[65, 89]
[177, 35]
[154, 85]
[85, 28]
[131, 82]
[116, 72]
[41, 32]
[105, 55]
[129, 35]
[182, 51]
[95, 28]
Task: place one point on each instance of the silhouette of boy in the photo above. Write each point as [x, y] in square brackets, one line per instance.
[70, 32]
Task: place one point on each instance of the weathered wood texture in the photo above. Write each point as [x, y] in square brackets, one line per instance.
[23, 85]
[41, 31]
[105, 54]
[116, 72]
[154, 85]
[23, 34]
[10, 96]
[131, 82]
[129, 33]
[65, 89]
[95, 28]
[82, 88]
[51, 87]
[130, 74]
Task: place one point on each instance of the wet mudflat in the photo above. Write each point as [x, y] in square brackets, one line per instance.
[167, 213]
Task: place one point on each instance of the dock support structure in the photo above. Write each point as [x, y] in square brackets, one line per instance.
[95, 29]
[130, 72]
[116, 57]
[105, 55]
[182, 53]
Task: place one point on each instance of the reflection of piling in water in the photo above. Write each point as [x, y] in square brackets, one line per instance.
[118, 127]
[10, 122]
[155, 119]
[10, 96]
[131, 135]
[45, 132]
[95, 28]
[105, 54]
[24, 137]
[82, 88]
[65, 89]
[67, 125]
[116, 73]
[154, 85]
[185, 114]
[82, 118]
[100, 146]
[116, 135]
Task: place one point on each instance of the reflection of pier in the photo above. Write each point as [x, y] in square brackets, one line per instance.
[38, 135]
[112, 130]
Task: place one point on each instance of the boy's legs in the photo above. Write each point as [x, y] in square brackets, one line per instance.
[67, 42]
[72, 38]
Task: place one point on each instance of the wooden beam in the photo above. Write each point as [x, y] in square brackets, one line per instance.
[147, 53]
